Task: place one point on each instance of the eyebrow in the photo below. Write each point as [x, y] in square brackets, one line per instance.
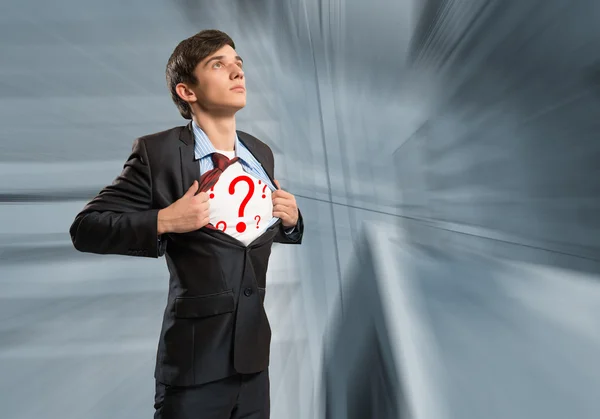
[220, 57]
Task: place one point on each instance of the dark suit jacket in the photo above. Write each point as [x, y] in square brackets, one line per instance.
[214, 323]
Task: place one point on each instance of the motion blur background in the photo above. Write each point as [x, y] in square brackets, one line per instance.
[444, 153]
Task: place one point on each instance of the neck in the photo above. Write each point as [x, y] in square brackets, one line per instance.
[219, 129]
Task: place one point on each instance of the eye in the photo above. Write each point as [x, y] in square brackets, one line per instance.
[218, 63]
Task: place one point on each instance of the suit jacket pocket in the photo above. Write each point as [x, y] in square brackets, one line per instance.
[204, 305]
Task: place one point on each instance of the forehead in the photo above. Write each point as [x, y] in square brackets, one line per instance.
[225, 50]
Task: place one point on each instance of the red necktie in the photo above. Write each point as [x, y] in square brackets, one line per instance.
[210, 178]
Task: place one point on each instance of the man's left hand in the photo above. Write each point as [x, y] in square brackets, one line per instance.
[284, 206]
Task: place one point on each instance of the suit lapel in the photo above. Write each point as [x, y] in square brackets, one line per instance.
[251, 145]
[190, 167]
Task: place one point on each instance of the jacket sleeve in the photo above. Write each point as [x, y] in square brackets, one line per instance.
[294, 237]
[283, 236]
[120, 219]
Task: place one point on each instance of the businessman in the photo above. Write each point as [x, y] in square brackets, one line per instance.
[204, 195]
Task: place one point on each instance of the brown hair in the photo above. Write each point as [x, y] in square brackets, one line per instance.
[185, 58]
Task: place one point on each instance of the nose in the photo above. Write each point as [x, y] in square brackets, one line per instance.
[237, 72]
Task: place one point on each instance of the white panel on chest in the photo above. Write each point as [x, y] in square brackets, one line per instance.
[240, 204]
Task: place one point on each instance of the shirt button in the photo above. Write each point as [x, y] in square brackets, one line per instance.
[248, 292]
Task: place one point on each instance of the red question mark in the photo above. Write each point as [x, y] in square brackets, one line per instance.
[265, 187]
[257, 221]
[241, 226]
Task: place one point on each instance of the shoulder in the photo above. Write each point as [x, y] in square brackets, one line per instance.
[161, 142]
[163, 137]
[256, 144]
[158, 145]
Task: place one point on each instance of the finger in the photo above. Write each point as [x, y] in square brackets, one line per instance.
[285, 202]
[281, 215]
[288, 214]
[202, 197]
[286, 218]
[193, 189]
[280, 193]
[286, 209]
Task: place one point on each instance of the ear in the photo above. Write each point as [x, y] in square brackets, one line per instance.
[185, 93]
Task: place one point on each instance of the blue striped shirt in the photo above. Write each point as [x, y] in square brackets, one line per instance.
[203, 149]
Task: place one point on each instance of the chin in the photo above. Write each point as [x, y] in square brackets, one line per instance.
[239, 104]
[228, 108]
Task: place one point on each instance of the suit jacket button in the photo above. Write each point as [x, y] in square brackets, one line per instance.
[248, 292]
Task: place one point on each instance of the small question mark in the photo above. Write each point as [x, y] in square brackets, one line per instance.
[212, 195]
[257, 221]
[265, 187]
[241, 226]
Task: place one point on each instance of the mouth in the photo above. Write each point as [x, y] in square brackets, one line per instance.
[238, 89]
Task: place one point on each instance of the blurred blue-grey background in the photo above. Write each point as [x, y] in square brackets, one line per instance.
[444, 153]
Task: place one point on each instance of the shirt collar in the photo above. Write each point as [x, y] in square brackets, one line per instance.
[203, 147]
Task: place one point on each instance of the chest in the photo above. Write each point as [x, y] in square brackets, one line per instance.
[240, 204]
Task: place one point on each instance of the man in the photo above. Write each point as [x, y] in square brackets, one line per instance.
[203, 195]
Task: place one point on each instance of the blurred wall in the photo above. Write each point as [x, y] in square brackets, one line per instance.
[506, 160]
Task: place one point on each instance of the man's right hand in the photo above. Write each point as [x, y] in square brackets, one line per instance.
[188, 213]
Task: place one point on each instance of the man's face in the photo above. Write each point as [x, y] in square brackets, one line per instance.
[221, 84]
